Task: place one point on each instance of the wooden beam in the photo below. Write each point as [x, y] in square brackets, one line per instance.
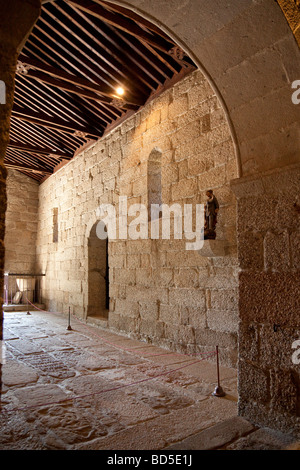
[42, 136]
[56, 123]
[63, 85]
[57, 101]
[21, 166]
[123, 23]
[39, 150]
[133, 16]
[110, 67]
[69, 82]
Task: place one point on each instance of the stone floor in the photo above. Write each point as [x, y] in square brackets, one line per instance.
[90, 389]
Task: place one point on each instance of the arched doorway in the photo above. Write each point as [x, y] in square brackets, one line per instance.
[98, 275]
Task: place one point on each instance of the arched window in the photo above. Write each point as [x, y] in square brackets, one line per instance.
[55, 225]
[154, 178]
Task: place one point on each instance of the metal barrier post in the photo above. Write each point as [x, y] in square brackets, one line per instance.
[218, 392]
[69, 324]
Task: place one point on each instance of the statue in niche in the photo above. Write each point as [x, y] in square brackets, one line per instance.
[211, 211]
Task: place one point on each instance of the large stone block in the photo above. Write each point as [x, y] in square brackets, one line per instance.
[295, 250]
[250, 250]
[225, 341]
[224, 299]
[192, 316]
[184, 189]
[275, 345]
[267, 297]
[169, 313]
[188, 297]
[253, 383]
[277, 255]
[223, 321]
[126, 308]
[149, 311]
[284, 387]
[249, 346]
[178, 106]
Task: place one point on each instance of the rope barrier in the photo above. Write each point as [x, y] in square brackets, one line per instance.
[80, 397]
[218, 391]
[119, 347]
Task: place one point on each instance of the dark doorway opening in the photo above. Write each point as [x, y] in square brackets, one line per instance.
[98, 275]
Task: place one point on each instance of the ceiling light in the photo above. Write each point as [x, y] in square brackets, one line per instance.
[120, 91]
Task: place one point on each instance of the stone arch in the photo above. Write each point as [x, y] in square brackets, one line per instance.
[249, 55]
[245, 50]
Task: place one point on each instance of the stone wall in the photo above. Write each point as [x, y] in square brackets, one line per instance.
[159, 291]
[269, 333]
[21, 228]
[21, 223]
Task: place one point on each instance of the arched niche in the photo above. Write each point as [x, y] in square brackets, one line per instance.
[98, 275]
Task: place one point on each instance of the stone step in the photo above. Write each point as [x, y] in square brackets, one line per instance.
[22, 307]
[97, 320]
[236, 434]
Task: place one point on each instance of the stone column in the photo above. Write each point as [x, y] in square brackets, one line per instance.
[17, 19]
[269, 305]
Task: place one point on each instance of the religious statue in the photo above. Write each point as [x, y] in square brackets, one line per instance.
[211, 211]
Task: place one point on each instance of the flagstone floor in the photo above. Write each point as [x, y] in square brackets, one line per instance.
[91, 389]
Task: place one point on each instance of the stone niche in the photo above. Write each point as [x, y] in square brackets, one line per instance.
[172, 151]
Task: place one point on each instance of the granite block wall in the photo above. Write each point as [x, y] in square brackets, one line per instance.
[159, 291]
[269, 306]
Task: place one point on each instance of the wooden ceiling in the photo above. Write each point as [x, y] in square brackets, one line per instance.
[78, 53]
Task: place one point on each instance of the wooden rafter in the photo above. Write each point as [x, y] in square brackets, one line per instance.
[40, 135]
[76, 55]
[89, 47]
[133, 16]
[39, 150]
[61, 79]
[86, 93]
[57, 101]
[122, 23]
[29, 168]
[43, 119]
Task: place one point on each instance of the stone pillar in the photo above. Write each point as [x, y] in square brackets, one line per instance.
[17, 19]
[269, 292]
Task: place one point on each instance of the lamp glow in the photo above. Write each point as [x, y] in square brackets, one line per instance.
[120, 91]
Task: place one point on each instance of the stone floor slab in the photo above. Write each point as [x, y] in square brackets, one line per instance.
[89, 388]
[15, 373]
[263, 439]
[217, 436]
